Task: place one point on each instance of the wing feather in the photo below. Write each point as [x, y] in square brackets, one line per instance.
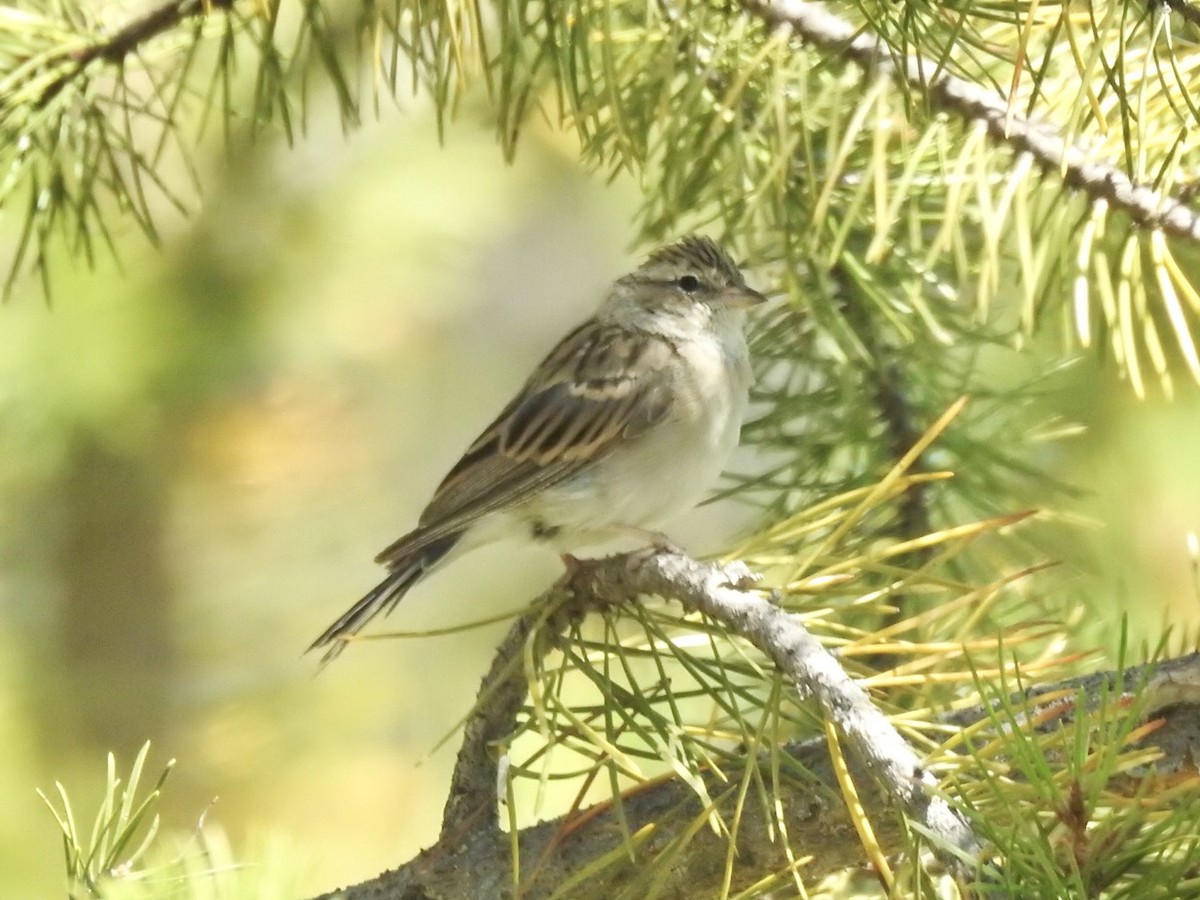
[597, 389]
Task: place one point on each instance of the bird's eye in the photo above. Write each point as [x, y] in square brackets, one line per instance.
[689, 283]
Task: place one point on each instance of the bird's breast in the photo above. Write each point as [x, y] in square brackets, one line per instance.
[669, 468]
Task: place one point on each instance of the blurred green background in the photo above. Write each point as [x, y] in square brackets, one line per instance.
[204, 449]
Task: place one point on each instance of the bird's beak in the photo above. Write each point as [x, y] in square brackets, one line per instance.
[741, 297]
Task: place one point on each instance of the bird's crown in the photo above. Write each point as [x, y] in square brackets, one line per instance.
[695, 251]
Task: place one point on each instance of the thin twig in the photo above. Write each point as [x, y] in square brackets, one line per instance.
[891, 396]
[128, 39]
[1184, 9]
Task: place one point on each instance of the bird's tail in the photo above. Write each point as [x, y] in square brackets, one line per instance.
[382, 598]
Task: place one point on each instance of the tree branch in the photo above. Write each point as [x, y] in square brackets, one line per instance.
[722, 594]
[973, 103]
[474, 782]
[474, 858]
[662, 816]
[886, 769]
[1161, 686]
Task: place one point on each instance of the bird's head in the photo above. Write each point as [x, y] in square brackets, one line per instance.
[693, 270]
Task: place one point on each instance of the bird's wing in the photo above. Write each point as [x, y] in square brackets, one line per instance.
[599, 387]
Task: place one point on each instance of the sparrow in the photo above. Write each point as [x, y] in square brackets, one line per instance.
[625, 424]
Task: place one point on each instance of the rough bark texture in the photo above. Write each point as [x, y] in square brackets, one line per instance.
[662, 817]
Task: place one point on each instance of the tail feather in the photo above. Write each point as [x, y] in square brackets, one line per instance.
[382, 598]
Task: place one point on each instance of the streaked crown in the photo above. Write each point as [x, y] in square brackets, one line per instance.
[698, 268]
[696, 251]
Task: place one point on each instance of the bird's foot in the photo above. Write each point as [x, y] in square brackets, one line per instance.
[571, 563]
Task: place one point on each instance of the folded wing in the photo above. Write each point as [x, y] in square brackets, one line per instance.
[596, 390]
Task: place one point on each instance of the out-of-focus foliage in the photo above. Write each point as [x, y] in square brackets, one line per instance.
[203, 450]
[123, 856]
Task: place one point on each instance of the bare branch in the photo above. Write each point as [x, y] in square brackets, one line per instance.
[722, 594]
